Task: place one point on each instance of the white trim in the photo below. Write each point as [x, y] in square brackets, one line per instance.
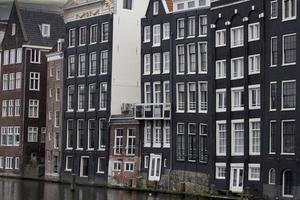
[283, 37]
[281, 135]
[251, 136]
[283, 12]
[223, 90]
[252, 165]
[287, 109]
[233, 138]
[36, 47]
[270, 109]
[241, 107]
[270, 135]
[218, 137]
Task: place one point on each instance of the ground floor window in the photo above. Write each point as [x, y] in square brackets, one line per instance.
[154, 167]
[287, 183]
[272, 176]
[84, 166]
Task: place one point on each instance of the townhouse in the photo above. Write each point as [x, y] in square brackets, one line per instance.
[30, 34]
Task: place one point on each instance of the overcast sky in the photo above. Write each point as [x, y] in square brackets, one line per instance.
[5, 5]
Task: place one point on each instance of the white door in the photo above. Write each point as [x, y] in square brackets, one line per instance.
[155, 167]
[237, 179]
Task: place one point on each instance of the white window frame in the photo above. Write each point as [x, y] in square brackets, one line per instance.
[200, 100]
[221, 122]
[218, 166]
[156, 159]
[281, 135]
[147, 34]
[166, 62]
[256, 64]
[99, 164]
[256, 32]
[156, 63]
[47, 27]
[283, 11]
[257, 88]
[270, 136]
[251, 166]
[251, 152]
[271, 5]
[241, 70]
[233, 153]
[147, 64]
[35, 77]
[221, 65]
[223, 91]
[166, 31]
[177, 98]
[33, 104]
[283, 47]
[155, 8]
[156, 35]
[287, 109]
[241, 107]
[129, 164]
[241, 39]
[219, 41]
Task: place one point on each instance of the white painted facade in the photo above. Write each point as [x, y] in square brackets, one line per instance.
[126, 54]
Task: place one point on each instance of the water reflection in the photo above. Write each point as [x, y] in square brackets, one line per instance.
[13, 189]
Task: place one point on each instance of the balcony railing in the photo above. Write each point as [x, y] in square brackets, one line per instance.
[153, 111]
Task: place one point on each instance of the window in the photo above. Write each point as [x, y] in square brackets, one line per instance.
[105, 32]
[237, 36]
[180, 149]
[166, 92]
[180, 28]
[221, 135]
[202, 25]
[17, 107]
[18, 80]
[191, 58]
[1, 162]
[191, 4]
[156, 35]
[147, 134]
[191, 26]
[101, 134]
[130, 146]
[146, 162]
[103, 96]
[91, 133]
[274, 51]
[57, 119]
[289, 9]
[157, 134]
[192, 142]
[71, 66]
[273, 96]
[147, 34]
[11, 108]
[72, 38]
[11, 81]
[180, 106]
[10, 136]
[147, 64]
[272, 137]
[9, 162]
[166, 62]
[220, 69]
[147, 93]
[93, 33]
[237, 137]
[272, 176]
[32, 134]
[274, 9]
[237, 68]
[92, 97]
[289, 49]
[180, 59]
[104, 62]
[166, 31]
[220, 38]
[34, 84]
[5, 82]
[4, 108]
[221, 100]
[69, 163]
[80, 133]
[117, 166]
[118, 146]
[46, 30]
[254, 64]
[6, 57]
[166, 134]
[19, 55]
[237, 99]
[157, 92]
[69, 134]
[129, 167]
[13, 29]
[254, 172]
[288, 136]
[81, 65]
[56, 141]
[180, 6]
[154, 167]
[35, 56]
[33, 108]
[288, 95]
[127, 4]
[82, 36]
[203, 142]
[253, 32]
[84, 166]
[155, 7]
[220, 170]
[70, 98]
[93, 64]
[156, 63]
[12, 57]
[101, 165]
[202, 57]
[254, 137]
[254, 97]
[81, 97]
[203, 96]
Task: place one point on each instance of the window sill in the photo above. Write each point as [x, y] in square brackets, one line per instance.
[288, 64]
[253, 40]
[102, 149]
[287, 154]
[237, 109]
[201, 36]
[166, 39]
[220, 110]
[221, 45]
[156, 45]
[146, 41]
[100, 172]
[254, 108]
[236, 46]
[288, 19]
[190, 36]
[253, 73]
[288, 109]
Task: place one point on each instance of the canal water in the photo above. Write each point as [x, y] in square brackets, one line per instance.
[13, 189]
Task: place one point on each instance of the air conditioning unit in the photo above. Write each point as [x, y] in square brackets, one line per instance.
[126, 107]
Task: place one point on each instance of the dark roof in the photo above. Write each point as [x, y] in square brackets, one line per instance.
[31, 21]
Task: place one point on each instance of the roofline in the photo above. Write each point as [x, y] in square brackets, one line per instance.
[36, 47]
[65, 7]
[21, 21]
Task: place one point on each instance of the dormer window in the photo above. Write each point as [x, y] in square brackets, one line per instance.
[155, 8]
[46, 30]
[13, 29]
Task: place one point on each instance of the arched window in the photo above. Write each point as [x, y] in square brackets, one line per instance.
[287, 183]
[272, 176]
